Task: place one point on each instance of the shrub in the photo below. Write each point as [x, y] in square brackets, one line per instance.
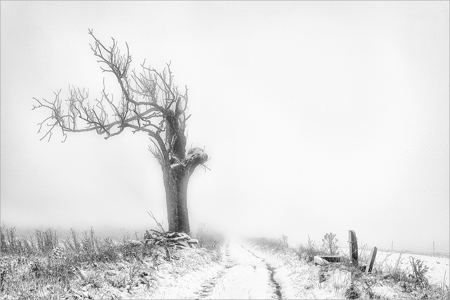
[419, 271]
[108, 250]
[284, 241]
[329, 243]
[309, 251]
[271, 243]
[208, 240]
[352, 292]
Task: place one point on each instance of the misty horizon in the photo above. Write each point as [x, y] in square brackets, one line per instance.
[317, 117]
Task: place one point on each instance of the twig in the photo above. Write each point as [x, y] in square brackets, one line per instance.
[156, 221]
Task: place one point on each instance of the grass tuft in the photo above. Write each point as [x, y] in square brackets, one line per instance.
[308, 251]
[210, 241]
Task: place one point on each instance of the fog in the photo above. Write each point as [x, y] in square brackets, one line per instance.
[317, 116]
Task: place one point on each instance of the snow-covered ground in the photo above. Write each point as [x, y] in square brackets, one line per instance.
[238, 270]
[305, 281]
[238, 275]
[245, 276]
[242, 273]
[250, 271]
[438, 266]
[180, 279]
[297, 279]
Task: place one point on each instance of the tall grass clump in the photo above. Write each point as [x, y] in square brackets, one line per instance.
[46, 240]
[271, 243]
[3, 243]
[284, 241]
[89, 248]
[11, 244]
[209, 240]
[90, 242]
[308, 251]
[72, 242]
[12, 240]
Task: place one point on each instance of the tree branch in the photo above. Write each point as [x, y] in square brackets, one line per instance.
[150, 102]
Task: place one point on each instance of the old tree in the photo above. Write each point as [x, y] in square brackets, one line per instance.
[151, 103]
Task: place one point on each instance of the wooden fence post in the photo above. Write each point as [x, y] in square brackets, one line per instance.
[372, 260]
[353, 247]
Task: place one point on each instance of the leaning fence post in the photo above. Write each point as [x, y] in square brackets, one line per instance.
[372, 260]
[353, 247]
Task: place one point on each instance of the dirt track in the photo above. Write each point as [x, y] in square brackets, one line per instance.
[244, 276]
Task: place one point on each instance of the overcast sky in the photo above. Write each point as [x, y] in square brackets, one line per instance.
[318, 117]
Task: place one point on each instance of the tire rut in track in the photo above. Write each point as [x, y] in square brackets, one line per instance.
[209, 285]
[274, 283]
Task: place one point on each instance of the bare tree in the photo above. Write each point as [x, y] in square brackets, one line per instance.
[151, 103]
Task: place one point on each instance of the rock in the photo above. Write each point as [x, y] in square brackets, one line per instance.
[192, 241]
[143, 274]
[320, 261]
[135, 243]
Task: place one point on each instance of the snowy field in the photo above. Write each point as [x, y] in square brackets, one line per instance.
[437, 263]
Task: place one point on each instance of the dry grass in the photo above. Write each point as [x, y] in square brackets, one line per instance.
[92, 267]
[211, 241]
[308, 251]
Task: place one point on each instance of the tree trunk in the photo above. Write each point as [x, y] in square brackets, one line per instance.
[183, 217]
[176, 199]
[176, 180]
[170, 185]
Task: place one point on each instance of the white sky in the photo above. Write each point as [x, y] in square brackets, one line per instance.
[318, 117]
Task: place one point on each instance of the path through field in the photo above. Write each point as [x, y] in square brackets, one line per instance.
[244, 276]
[240, 274]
